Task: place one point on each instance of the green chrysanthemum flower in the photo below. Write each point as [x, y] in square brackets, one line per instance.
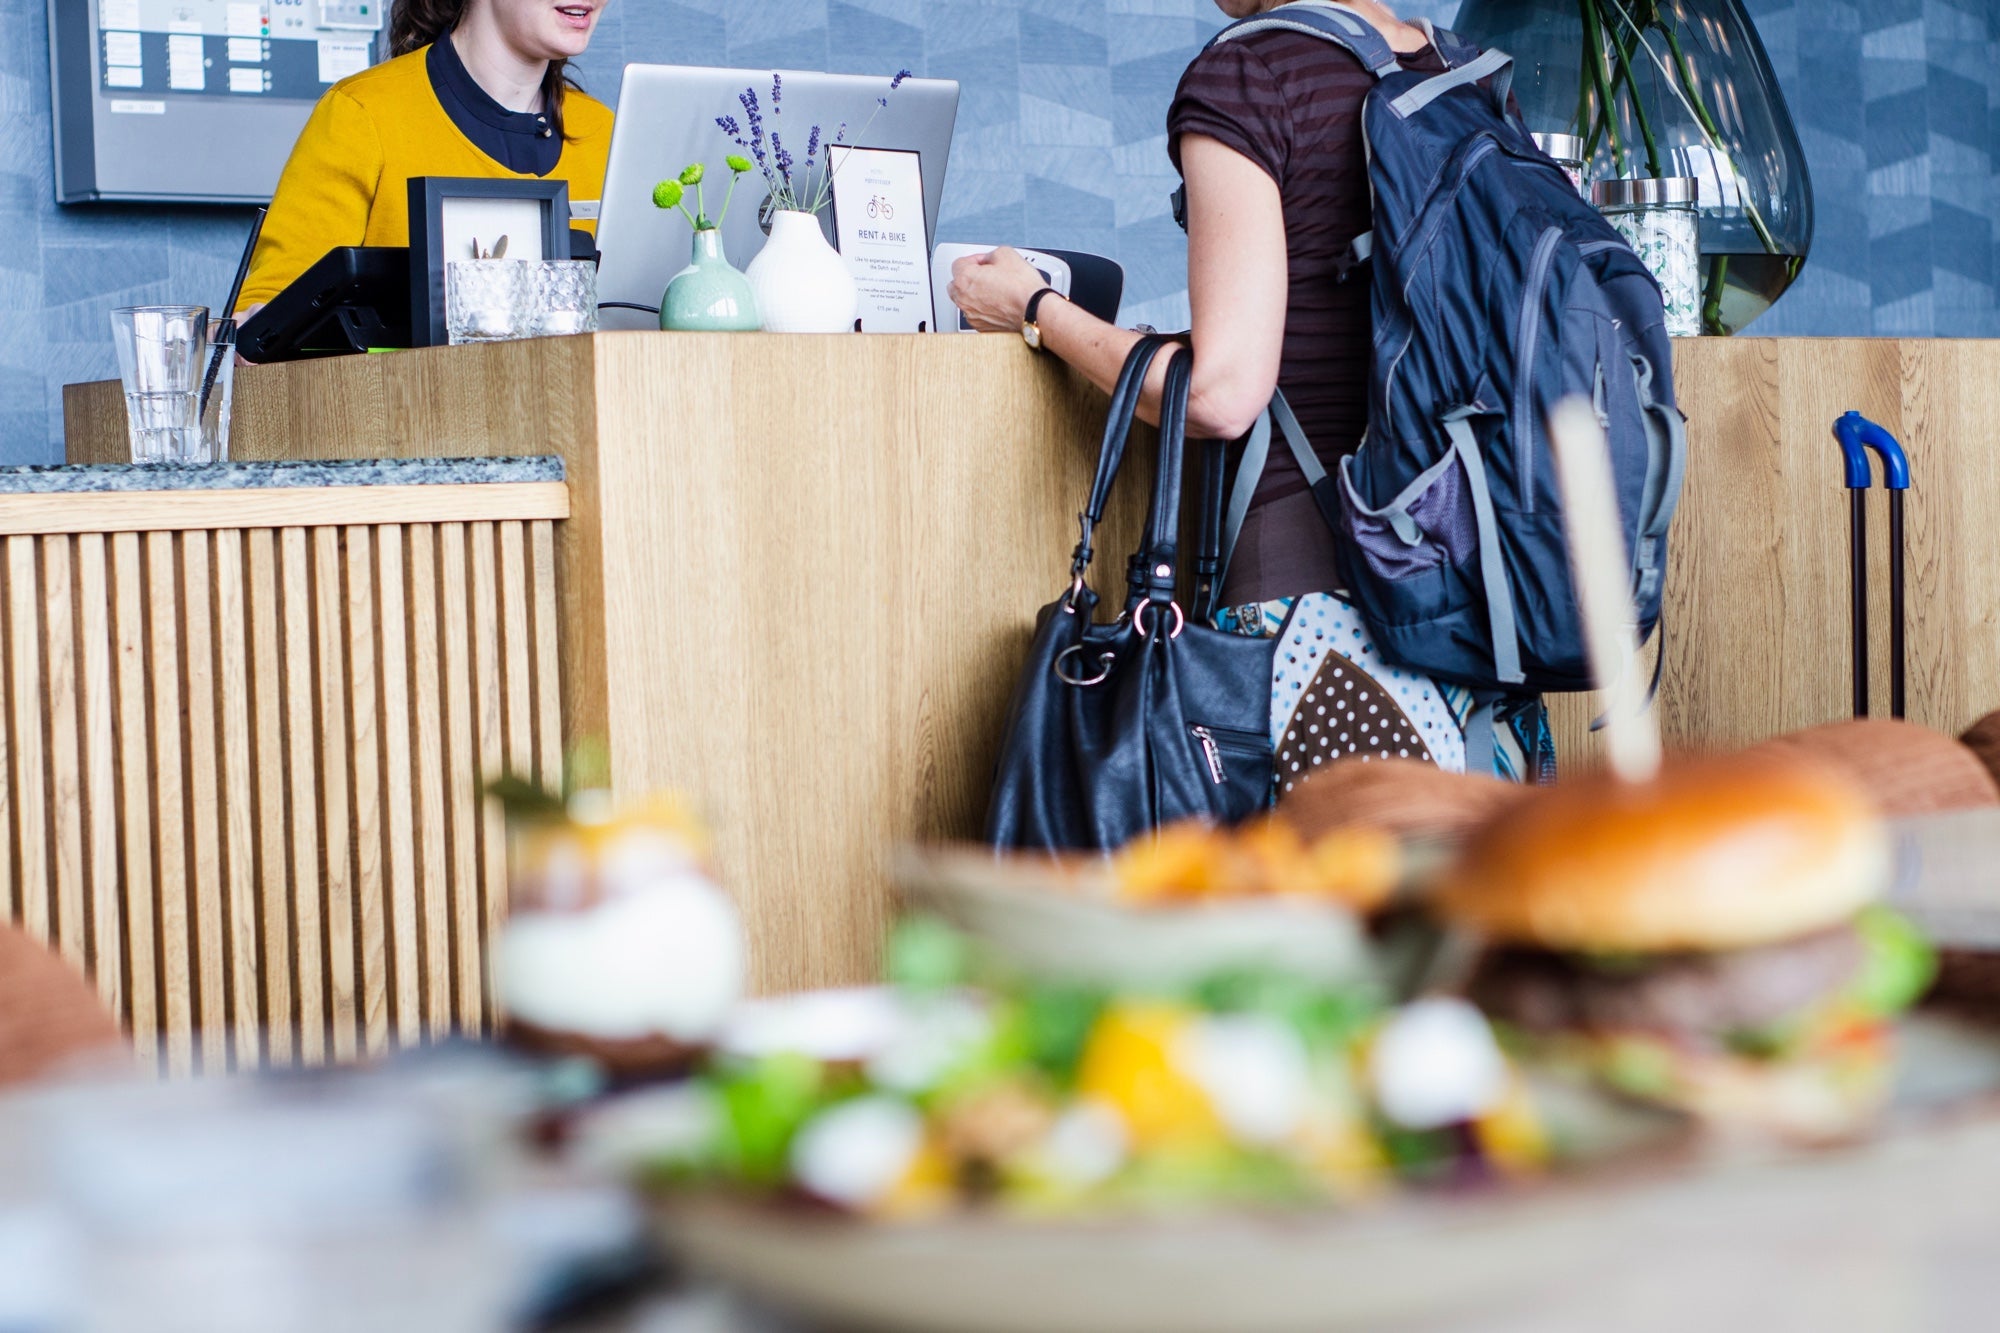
[739, 163]
[668, 194]
[692, 173]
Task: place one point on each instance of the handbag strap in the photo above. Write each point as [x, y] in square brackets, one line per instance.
[1218, 545]
[1160, 550]
[1210, 565]
[1125, 396]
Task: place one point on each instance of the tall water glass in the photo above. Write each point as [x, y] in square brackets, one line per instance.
[218, 392]
[162, 355]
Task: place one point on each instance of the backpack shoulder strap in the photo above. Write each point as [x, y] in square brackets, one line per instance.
[1322, 18]
[1453, 49]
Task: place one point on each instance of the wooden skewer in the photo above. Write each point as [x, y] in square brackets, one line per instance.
[1601, 569]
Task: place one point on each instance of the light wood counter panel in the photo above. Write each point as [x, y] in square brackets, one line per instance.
[797, 581]
[1757, 597]
[207, 782]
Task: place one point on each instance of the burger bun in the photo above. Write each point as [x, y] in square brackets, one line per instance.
[1713, 854]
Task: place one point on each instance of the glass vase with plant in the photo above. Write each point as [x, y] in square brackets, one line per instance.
[710, 294]
[1671, 88]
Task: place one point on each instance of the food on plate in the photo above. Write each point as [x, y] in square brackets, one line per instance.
[1983, 739]
[1262, 857]
[1710, 939]
[1256, 1088]
[1408, 799]
[1906, 769]
[620, 946]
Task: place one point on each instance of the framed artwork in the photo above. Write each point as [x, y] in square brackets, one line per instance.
[470, 217]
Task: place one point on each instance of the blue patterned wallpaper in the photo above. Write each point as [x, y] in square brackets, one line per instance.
[1060, 143]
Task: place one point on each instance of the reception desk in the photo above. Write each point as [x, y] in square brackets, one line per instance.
[799, 573]
[796, 580]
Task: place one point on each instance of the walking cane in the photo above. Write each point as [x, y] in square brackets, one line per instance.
[1856, 435]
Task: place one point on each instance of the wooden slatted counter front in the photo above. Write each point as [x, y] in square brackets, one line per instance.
[248, 713]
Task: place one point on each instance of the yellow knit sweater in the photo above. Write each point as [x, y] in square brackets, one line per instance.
[346, 182]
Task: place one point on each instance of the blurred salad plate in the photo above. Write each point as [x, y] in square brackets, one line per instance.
[1091, 919]
[1245, 1270]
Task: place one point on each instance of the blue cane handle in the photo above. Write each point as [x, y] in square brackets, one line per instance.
[1856, 434]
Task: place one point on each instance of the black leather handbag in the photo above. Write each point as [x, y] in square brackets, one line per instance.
[1117, 728]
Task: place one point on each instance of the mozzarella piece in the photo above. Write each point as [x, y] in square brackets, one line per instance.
[667, 959]
[1435, 1063]
[855, 1153]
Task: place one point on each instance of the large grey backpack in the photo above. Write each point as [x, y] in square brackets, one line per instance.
[1497, 292]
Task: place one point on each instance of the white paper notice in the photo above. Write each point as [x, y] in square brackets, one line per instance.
[122, 48]
[245, 20]
[124, 76]
[342, 56]
[878, 209]
[186, 72]
[247, 80]
[246, 50]
[118, 14]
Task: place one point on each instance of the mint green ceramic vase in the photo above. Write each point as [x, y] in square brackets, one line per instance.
[709, 295]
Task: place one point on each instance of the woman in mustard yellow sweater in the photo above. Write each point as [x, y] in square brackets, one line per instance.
[474, 88]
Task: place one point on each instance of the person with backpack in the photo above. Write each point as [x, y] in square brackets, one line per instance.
[1411, 581]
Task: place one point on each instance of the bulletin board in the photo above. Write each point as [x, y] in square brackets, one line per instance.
[193, 100]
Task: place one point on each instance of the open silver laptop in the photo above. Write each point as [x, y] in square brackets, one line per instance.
[666, 119]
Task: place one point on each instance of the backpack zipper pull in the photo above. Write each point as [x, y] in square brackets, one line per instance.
[1210, 752]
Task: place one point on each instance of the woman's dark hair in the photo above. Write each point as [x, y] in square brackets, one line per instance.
[414, 24]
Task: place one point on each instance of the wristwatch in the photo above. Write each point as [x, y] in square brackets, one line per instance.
[1031, 332]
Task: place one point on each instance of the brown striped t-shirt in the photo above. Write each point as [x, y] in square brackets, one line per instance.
[1292, 104]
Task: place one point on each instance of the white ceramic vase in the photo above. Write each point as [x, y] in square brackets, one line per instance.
[802, 284]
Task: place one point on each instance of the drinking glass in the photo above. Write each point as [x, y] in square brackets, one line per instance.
[489, 300]
[162, 355]
[565, 297]
[219, 385]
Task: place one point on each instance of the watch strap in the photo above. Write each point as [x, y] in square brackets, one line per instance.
[1035, 304]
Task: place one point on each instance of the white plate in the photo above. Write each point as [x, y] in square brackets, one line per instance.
[1653, 1202]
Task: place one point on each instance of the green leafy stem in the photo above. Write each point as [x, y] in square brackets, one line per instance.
[673, 193]
[1614, 35]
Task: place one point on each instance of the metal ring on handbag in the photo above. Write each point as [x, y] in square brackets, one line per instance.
[1076, 590]
[1139, 619]
[1105, 661]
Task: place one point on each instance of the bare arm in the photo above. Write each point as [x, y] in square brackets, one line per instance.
[1236, 286]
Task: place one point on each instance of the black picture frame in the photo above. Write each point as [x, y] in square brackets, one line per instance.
[429, 197]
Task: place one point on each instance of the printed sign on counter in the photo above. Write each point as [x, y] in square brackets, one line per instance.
[878, 217]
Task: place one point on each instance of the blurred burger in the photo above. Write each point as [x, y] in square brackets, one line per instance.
[1710, 939]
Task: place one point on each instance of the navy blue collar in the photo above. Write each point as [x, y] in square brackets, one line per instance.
[518, 140]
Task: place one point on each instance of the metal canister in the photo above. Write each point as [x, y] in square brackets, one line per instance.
[1567, 150]
[1658, 218]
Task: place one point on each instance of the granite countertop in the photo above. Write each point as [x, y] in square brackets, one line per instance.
[253, 476]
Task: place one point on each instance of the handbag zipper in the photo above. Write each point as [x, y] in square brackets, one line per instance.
[1244, 742]
[1211, 752]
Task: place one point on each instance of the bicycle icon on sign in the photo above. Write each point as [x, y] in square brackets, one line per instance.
[880, 208]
